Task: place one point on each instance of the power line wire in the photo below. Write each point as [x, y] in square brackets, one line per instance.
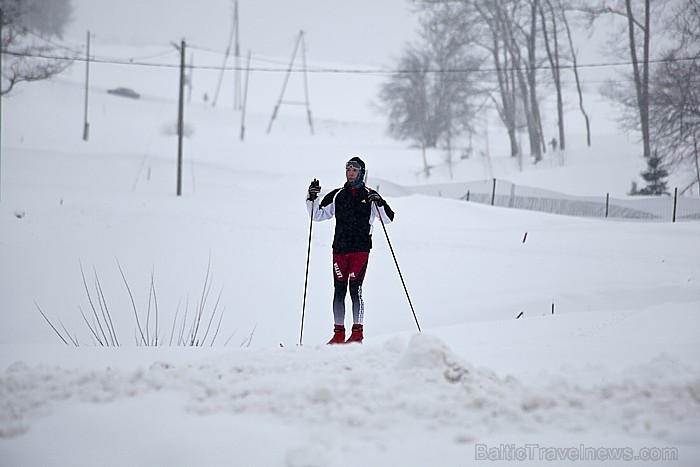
[80, 49]
[329, 70]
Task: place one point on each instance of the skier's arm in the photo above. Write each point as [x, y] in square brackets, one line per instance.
[380, 206]
[386, 212]
[323, 210]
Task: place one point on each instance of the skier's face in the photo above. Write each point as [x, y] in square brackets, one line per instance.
[351, 173]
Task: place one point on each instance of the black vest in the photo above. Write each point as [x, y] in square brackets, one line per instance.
[352, 213]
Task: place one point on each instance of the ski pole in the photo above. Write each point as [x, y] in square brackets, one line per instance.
[306, 278]
[397, 267]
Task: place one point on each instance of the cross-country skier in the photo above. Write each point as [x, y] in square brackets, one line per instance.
[355, 207]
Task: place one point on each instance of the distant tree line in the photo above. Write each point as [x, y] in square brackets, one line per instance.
[510, 52]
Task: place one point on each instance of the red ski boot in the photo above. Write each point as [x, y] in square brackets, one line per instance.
[356, 335]
[338, 335]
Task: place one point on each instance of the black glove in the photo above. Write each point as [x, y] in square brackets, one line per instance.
[374, 197]
[314, 190]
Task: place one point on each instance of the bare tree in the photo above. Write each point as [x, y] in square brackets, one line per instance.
[674, 94]
[405, 101]
[519, 26]
[448, 34]
[638, 30]
[551, 43]
[533, 62]
[510, 35]
[429, 99]
[493, 42]
[574, 63]
[26, 26]
[45, 17]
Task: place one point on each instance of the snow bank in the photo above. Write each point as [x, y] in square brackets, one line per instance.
[361, 393]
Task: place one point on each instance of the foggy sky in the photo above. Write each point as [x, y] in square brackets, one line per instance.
[368, 32]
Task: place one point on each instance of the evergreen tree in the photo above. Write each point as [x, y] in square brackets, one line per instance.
[655, 176]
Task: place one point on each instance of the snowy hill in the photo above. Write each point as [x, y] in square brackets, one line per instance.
[615, 365]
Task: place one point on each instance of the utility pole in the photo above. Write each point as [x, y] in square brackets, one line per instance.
[245, 97]
[237, 61]
[300, 41]
[306, 83]
[180, 117]
[234, 30]
[86, 125]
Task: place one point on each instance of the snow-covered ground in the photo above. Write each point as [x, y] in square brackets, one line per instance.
[614, 371]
